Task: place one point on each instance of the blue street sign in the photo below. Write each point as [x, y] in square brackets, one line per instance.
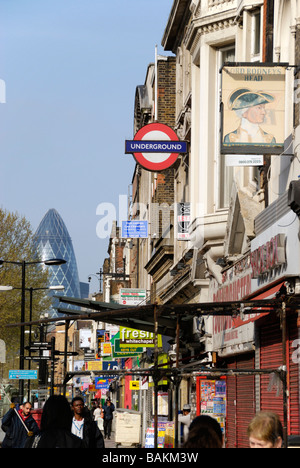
[135, 229]
[22, 374]
[164, 146]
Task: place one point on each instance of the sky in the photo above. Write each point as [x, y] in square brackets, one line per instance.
[69, 70]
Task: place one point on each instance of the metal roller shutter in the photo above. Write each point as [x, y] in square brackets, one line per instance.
[231, 441]
[271, 357]
[240, 402]
[245, 401]
[293, 378]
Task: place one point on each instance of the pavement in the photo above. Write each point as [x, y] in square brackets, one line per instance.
[110, 443]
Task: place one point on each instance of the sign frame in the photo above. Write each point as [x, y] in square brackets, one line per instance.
[250, 84]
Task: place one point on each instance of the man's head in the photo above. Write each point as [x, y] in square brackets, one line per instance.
[26, 408]
[78, 405]
[186, 409]
[255, 114]
[243, 98]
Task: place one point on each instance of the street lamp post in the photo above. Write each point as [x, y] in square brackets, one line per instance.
[100, 274]
[50, 288]
[23, 264]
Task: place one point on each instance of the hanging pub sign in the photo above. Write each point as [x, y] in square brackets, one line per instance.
[155, 147]
[253, 108]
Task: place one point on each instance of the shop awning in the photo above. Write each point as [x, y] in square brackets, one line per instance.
[267, 295]
[167, 316]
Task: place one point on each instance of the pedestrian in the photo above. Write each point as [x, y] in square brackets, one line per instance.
[18, 425]
[108, 409]
[84, 426]
[93, 406]
[56, 425]
[185, 419]
[265, 431]
[98, 416]
[204, 432]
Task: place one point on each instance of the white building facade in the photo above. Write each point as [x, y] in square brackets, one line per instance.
[240, 204]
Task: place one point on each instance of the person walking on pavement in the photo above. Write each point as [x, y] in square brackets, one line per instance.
[98, 416]
[56, 426]
[84, 426]
[108, 409]
[18, 426]
[185, 419]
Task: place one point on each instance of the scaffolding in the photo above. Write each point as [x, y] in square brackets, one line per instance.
[169, 319]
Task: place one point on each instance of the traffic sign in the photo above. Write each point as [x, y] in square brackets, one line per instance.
[155, 147]
[135, 229]
[22, 374]
[68, 353]
[38, 348]
[41, 343]
[132, 296]
[37, 358]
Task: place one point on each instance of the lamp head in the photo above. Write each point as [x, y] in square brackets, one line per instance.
[54, 261]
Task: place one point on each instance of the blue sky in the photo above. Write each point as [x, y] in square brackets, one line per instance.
[71, 68]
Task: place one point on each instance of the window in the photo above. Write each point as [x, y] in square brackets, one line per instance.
[256, 36]
[225, 173]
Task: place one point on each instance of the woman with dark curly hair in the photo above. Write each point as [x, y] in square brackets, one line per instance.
[204, 432]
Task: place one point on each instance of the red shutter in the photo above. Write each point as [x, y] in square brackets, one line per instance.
[271, 357]
[230, 429]
[240, 402]
[245, 401]
[293, 377]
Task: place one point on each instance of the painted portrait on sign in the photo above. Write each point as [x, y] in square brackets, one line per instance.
[253, 109]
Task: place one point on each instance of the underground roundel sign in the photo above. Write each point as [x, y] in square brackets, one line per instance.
[155, 147]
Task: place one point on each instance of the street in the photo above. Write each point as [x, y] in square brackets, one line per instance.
[110, 443]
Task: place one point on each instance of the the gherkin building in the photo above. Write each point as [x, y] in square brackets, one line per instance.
[54, 241]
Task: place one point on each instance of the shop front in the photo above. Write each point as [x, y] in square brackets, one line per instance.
[275, 263]
[267, 339]
[233, 341]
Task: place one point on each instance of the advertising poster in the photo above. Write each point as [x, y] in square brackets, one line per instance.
[213, 400]
[253, 103]
[165, 435]
[124, 352]
[103, 344]
[85, 338]
[131, 337]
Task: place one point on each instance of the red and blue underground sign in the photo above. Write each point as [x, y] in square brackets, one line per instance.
[155, 147]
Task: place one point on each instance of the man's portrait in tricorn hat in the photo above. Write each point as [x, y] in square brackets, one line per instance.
[250, 107]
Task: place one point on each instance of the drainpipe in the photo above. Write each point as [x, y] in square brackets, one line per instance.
[268, 46]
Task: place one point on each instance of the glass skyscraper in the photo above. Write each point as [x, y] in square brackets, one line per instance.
[54, 241]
